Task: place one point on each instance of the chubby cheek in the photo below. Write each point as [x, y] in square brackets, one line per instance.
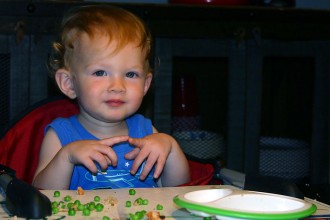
[136, 96]
[87, 92]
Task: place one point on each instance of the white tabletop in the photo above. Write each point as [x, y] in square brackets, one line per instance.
[115, 202]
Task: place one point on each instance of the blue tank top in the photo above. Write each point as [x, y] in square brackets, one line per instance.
[70, 130]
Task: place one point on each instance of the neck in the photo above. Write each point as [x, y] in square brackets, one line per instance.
[101, 129]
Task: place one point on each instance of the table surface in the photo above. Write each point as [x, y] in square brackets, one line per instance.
[115, 202]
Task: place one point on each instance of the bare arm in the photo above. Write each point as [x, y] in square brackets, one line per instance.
[176, 169]
[56, 162]
[53, 171]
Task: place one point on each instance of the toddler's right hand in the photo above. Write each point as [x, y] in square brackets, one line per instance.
[87, 152]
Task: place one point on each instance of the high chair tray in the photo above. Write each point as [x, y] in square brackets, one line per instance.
[229, 204]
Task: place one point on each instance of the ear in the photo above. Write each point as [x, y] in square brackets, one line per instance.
[64, 81]
[147, 82]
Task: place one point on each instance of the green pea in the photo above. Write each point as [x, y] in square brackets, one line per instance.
[97, 198]
[132, 192]
[91, 206]
[106, 218]
[133, 217]
[86, 212]
[67, 198]
[145, 202]
[54, 204]
[69, 205]
[99, 207]
[54, 210]
[57, 193]
[80, 207]
[139, 215]
[159, 207]
[72, 212]
[128, 204]
[138, 201]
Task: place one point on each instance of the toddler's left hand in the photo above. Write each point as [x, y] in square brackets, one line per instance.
[153, 148]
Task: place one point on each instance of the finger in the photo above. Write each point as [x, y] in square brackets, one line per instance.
[108, 161]
[109, 154]
[159, 167]
[101, 160]
[137, 142]
[132, 154]
[114, 140]
[90, 165]
[148, 166]
[140, 158]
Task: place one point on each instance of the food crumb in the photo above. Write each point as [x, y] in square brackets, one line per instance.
[111, 200]
[80, 191]
[153, 215]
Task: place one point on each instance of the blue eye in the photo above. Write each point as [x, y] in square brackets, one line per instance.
[100, 73]
[131, 74]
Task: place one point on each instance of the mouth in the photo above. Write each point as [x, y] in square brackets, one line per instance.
[115, 102]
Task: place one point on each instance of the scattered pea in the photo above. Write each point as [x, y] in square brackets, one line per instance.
[86, 212]
[72, 212]
[106, 218]
[132, 192]
[97, 198]
[80, 207]
[55, 210]
[145, 202]
[128, 204]
[67, 198]
[159, 207]
[138, 201]
[133, 217]
[57, 193]
[99, 207]
[54, 204]
[139, 215]
[70, 205]
[91, 206]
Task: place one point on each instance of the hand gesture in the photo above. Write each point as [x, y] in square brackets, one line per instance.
[87, 152]
[154, 148]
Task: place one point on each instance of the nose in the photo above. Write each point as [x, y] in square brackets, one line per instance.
[116, 85]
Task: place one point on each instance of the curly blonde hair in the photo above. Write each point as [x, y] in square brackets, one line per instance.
[118, 24]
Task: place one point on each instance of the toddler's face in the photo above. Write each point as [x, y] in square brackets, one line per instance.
[109, 86]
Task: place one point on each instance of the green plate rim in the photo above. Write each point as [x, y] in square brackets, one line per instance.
[247, 215]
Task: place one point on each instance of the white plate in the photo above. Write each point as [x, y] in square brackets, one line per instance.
[241, 204]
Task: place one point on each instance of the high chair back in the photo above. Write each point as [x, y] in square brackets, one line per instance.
[20, 143]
